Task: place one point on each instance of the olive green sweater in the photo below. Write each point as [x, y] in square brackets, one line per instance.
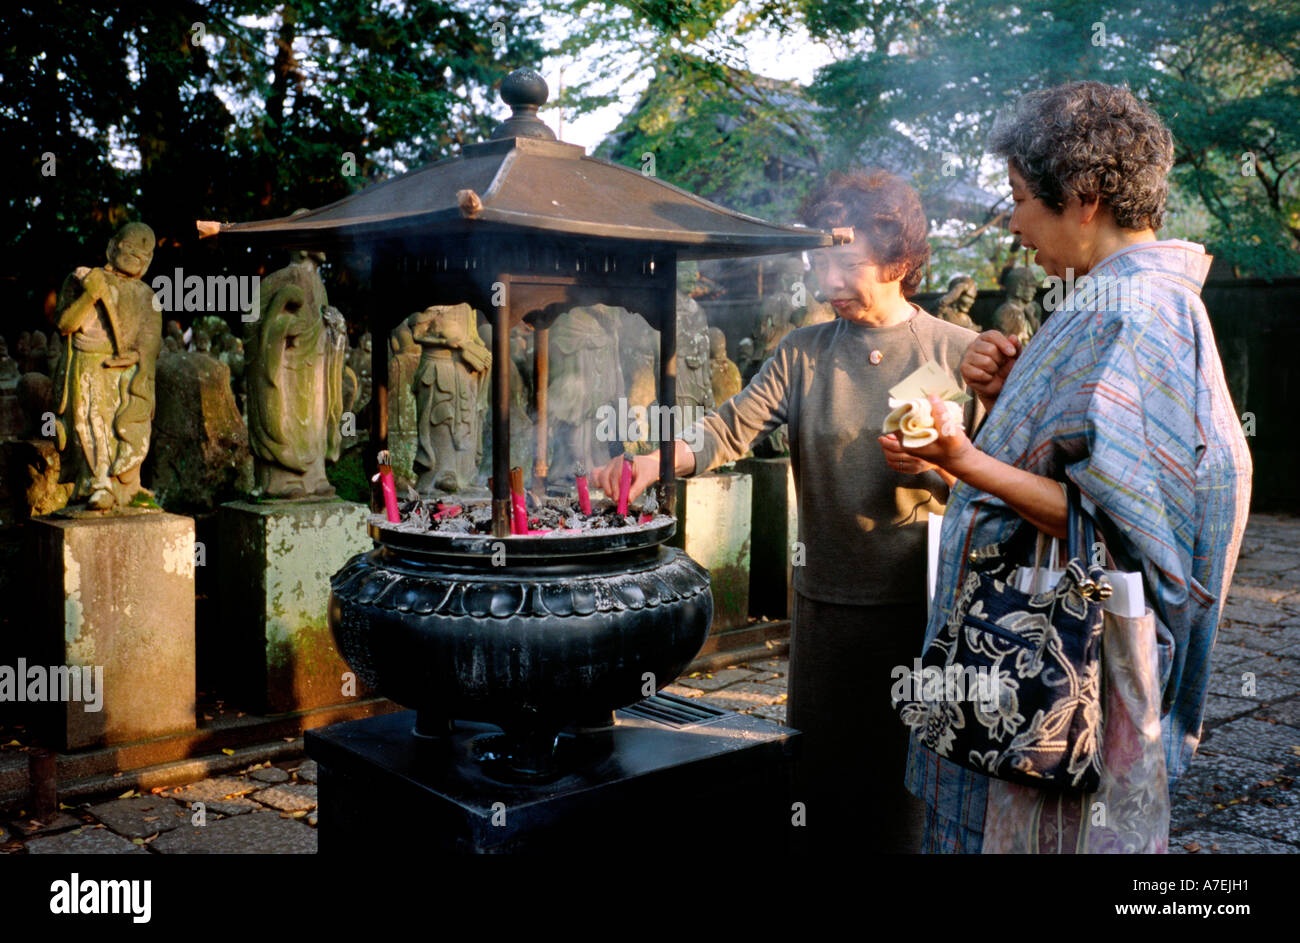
[862, 525]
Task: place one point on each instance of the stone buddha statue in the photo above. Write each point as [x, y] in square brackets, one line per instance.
[694, 383]
[1019, 316]
[294, 353]
[104, 379]
[585, 374]
[454, 365]
[955, 306]
[725, 375]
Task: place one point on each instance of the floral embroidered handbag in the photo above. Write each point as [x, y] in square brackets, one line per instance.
[1010, 687]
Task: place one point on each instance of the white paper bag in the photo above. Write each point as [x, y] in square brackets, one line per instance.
[933, 526]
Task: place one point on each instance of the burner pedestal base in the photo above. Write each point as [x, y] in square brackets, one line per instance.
[634, 786]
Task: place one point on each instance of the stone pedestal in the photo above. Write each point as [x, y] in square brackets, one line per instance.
[713, 527]
[775, 523]
[627, 786]
[275, 559]
[115, 593]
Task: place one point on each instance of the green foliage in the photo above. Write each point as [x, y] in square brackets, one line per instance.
[230, 109]
[722, 133]
[915, 86]
[1222, 73]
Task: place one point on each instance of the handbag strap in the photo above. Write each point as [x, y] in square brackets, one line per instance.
[998, 560]
[1081, 537]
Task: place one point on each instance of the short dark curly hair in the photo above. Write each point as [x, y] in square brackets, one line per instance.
[1086, 140]
[885, 212]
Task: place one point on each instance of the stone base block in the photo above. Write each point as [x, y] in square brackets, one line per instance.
[713, 527]
[275, 559]
[114, 595]
[775, 523]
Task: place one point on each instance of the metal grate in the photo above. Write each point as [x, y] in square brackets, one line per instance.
[673, 711]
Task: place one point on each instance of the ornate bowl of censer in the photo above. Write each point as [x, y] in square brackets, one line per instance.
[559, 634]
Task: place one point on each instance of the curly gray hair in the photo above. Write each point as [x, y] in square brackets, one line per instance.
[1085, 140]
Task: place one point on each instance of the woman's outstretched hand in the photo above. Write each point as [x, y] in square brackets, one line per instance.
[645, 472]
[987, 362]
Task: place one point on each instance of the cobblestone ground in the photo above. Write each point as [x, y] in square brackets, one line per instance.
[264, 809]
[1240, 796]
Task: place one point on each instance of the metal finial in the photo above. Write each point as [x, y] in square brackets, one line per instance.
[524, 90]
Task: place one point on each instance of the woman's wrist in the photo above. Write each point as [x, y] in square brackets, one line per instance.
[965, 464]
[683, 459]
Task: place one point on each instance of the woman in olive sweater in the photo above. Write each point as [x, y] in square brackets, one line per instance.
[860, 603]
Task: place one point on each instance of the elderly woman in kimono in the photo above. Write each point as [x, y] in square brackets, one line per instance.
[1121, 392]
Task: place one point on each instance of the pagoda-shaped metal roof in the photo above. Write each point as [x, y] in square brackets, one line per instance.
[523, 181]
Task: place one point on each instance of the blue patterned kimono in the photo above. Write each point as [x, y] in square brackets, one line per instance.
[1125, 396]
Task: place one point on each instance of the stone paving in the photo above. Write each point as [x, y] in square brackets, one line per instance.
[263, 809]
[1240, 795]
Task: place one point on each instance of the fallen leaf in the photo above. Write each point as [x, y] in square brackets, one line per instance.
[13, 743]
[157, 789]
[152, 818]
[1193, 847]
[128, 794]
[228, 752]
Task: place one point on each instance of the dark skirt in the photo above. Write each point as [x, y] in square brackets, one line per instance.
[850, 773]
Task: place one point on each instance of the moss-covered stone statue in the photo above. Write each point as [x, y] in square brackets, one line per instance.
[454, 365]
[294, 355]
[104, 379]
[694, 383]
[724, 373]
[1020, 315]
[955, 306]
[585, 374]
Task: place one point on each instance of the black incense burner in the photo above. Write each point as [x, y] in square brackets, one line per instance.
[557, 631]
[537, 636]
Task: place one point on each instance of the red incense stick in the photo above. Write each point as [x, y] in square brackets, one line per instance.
[624, 483]
[389, 486]
[584, 495]
[519, 523]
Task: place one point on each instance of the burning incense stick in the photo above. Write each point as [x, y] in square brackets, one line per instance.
[519, 522]
[584, 495]
[624, 483]
[385, 478]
